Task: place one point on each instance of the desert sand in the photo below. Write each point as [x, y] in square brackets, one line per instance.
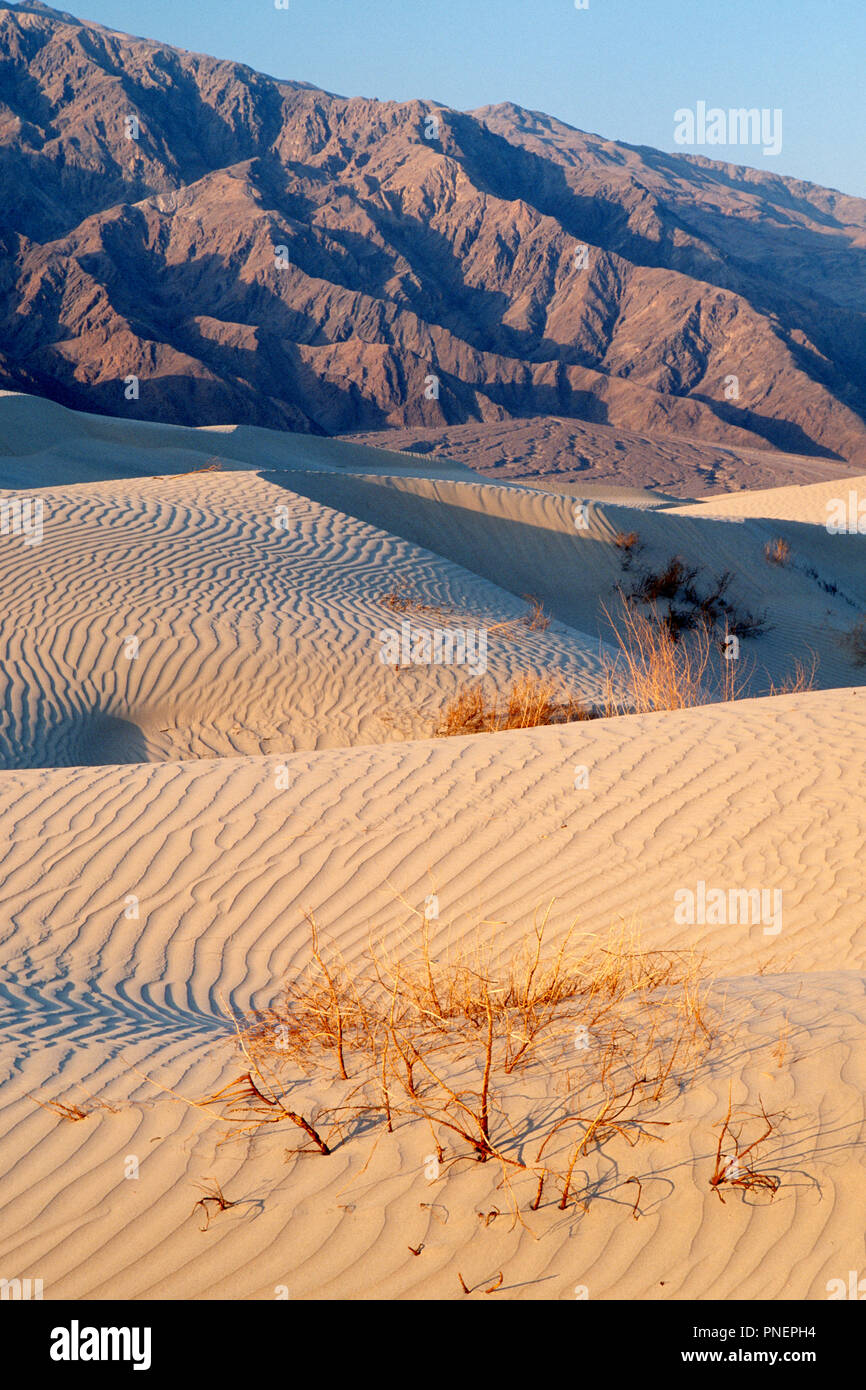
[200, 745]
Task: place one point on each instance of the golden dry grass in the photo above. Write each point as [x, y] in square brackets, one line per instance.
[656, 667]
[532, 700]
[801, 678]
[415, 1036]
[658, 670]
[778, 551]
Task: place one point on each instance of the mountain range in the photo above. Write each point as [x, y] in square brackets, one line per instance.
[187, 240]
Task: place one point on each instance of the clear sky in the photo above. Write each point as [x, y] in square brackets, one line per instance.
[620, 68]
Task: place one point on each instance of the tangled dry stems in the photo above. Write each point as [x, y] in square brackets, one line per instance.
[660, 670]
[733, 1171]
[413, 1037]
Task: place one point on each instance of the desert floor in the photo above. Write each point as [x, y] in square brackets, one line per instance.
[200, 745]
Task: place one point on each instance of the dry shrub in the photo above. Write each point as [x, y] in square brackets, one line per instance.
[666, 582]
[533, 700]
[664, 671]
[629, 545]
[801, 678]
[659, 668]
[536, 620]
[71, 1111]
[213, 465]
[59, 1107]
[656, 667]
[733, 1171]
[415, 1036]
[707, 606]
[778, 551]
[215, 1195]
[401, 600]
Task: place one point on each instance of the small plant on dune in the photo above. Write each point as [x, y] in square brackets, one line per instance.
[213, 1196]
[213, 465]
[532, 700]
[663, 583]
[778, 551]
[491, 1288]
[536, 620]
[801, 678]
[780, 1051]
[401, 600]
[415, 1037]
[664, 671]
[251, 1102]
[628, 543]
[59, 1107]
[687, 607]
[732, 1170]
[73, 1112]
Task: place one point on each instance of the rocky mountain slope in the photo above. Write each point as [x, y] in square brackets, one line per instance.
[431, 271]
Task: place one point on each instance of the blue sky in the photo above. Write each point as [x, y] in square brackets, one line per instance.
[621, 68]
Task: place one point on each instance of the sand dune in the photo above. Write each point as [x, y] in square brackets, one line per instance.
[167, 820]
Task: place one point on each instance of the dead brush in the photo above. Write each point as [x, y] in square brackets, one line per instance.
[628, 543]
[665, 582]
[215, 1196]
[245, 1101]
[73, 1112]
[213, 465]
[532, 701]
[690, 606]
[536, 619]
[733, 1171]
[777, 552]
[430, 1038]
[661, 671]
[661, 666]
[801, 678]
[249, 1100]
[401, 600]
[780, 1051]
[59, 1107]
